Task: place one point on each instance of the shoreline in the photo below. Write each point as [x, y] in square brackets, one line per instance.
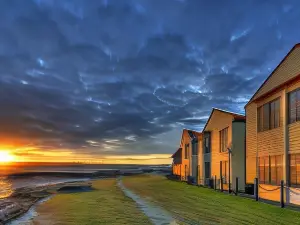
[24, 198]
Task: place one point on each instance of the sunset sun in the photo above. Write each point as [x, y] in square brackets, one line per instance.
[5, 157]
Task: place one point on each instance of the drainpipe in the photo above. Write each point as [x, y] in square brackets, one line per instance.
[286, 165]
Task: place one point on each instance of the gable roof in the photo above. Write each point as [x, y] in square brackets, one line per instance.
[236, 116]
[192, 134]
[177, 153]
[260, 92]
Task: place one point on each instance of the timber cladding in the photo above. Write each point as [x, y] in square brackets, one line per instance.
[251, 142]
[287, 70]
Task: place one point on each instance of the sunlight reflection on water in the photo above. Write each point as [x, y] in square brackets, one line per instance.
[6, 187]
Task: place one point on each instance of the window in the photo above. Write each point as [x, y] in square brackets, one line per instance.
[206, 145]
[224, 171]
[268, 116]
[295, 169]
[294, 106]
[186, 151]
[270, 169]
[224, 140]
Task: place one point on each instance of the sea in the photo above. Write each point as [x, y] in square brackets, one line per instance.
[20, 175]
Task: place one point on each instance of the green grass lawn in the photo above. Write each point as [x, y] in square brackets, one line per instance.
[105, 205]
[193, 205]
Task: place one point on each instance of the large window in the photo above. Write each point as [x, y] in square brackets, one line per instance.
[295, 169]
[294, 106]
[270, 169]
[186, 150]
[206, 145]
[224, 140]
[268, 116]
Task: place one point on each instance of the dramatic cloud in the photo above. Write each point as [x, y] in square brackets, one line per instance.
[113, 78]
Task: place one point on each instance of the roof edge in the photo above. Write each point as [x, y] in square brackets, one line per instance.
[221, 110]
[285, 57]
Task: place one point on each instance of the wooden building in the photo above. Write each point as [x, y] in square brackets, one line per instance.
[187, 158]
[273, 131]
[177, 163]
[224, 148]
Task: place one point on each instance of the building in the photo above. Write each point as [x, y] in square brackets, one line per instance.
[186, 159]
[224, 148]
[273, 131]
[177, 163]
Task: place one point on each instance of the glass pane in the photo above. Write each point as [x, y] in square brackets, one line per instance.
[277, 113]
[292, 107]
[293, 173]
[267, 172]
[278, 169]
[266, 116]
[272, 115]
[298, 105]
[273, 169]
[261, 170]
[260, 119]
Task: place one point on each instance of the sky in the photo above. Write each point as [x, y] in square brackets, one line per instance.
[116, 81]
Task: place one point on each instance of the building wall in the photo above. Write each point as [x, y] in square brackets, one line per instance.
[272, 142]
[200, 162]
[186, 162]
[218, 121]
[238, 154]
[251, 142]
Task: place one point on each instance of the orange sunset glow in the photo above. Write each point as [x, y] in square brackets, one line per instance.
[6, 156]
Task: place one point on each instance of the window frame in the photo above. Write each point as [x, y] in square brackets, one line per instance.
[296, 170]
[265, 169]
[224, 140]
[265, 125]
[297, 114]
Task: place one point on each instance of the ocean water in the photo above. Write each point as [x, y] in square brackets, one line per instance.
[9, 182]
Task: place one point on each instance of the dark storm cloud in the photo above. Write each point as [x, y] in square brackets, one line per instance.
[123, 77]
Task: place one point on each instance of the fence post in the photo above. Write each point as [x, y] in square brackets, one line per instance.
[236, 185]
[221, 182]
[282, 194]
[256, 189]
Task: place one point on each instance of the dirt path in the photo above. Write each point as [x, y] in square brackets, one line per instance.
[157, 215]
